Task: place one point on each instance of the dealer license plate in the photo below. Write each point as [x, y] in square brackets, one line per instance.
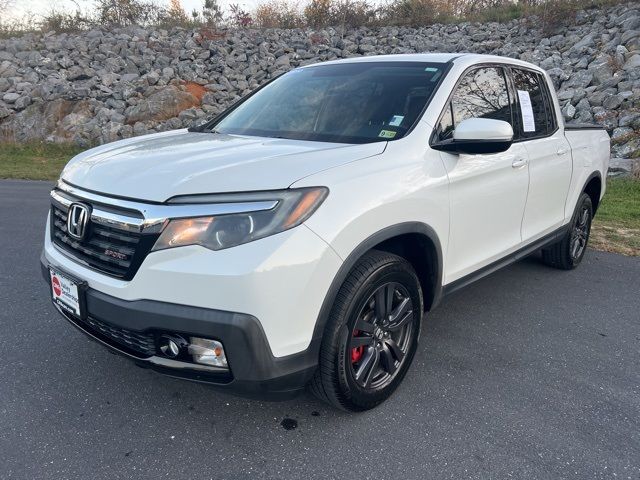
[65, 293]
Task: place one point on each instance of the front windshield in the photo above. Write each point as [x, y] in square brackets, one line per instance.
[345, 103]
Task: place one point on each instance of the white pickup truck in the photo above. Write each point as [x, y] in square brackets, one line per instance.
[297, 239]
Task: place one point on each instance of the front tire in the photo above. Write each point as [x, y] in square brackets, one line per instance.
[569, 252]
[371, 334]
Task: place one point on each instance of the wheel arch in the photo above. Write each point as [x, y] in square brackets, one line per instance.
[593, 188]
[417, 242]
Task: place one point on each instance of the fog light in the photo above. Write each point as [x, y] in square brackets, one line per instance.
[170, 345]
[207, 352]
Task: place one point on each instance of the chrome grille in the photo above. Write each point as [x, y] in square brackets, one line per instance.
[111, 250]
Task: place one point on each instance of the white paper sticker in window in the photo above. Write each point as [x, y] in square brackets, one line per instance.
[396, 120]
[528, 122]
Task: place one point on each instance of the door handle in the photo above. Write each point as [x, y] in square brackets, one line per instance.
[562, 151]
[519, 163]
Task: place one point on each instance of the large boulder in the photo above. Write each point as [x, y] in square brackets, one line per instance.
[41, 120]
[161, 105]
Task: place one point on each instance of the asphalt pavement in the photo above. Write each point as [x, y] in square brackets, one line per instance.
[529, 373]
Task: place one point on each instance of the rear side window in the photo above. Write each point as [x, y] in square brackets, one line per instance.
[535, 114]
[482, 93]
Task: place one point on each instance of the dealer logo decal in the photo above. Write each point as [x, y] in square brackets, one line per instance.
[57, 289]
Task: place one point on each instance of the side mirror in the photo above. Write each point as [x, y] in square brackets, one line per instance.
[479, 135]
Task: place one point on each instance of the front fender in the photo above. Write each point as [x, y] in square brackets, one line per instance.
[375, 200]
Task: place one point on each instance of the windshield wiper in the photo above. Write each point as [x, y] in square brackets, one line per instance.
[202, 129]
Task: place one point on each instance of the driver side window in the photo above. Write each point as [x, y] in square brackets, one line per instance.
[482, 93]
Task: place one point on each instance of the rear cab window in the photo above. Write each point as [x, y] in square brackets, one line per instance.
[536, 116]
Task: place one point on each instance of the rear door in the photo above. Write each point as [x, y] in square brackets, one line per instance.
[487, 192]
[550, 164]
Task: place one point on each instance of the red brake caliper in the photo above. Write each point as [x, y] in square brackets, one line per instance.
[356, 353]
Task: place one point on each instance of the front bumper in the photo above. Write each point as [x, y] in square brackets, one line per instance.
[281, 280]
[254, 371]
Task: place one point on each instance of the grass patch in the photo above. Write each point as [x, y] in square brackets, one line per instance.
[35, 161]
[616, 227]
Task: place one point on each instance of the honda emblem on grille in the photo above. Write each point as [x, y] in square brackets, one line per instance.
[77, 220]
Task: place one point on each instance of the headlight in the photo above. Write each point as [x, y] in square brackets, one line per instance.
[224, 231]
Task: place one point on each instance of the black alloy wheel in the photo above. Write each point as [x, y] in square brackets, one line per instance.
[371, 334]
[580, 232]
[569, 251]
[381, 336]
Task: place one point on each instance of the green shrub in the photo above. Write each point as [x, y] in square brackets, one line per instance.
[61, 21]
[279, 14]
[324, 13]
[419, 12]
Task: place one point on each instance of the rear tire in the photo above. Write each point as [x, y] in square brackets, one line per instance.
[569, 252]
[371, 335]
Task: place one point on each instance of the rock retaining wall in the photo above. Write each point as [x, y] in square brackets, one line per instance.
[99, 86]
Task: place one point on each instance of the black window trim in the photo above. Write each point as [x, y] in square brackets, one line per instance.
[448, 65]
[507, 67]
[548, 105]
[433, 140]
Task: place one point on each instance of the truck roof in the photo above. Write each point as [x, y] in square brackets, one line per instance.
[463, 59]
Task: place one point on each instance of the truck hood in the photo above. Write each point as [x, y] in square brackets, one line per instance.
[160, 166]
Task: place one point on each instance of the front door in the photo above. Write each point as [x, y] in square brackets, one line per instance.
[487, 192]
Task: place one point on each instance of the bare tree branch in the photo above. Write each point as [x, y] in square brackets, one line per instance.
[4, 8]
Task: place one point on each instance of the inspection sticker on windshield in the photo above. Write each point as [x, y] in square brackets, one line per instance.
[387, 134]
[396, 120]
